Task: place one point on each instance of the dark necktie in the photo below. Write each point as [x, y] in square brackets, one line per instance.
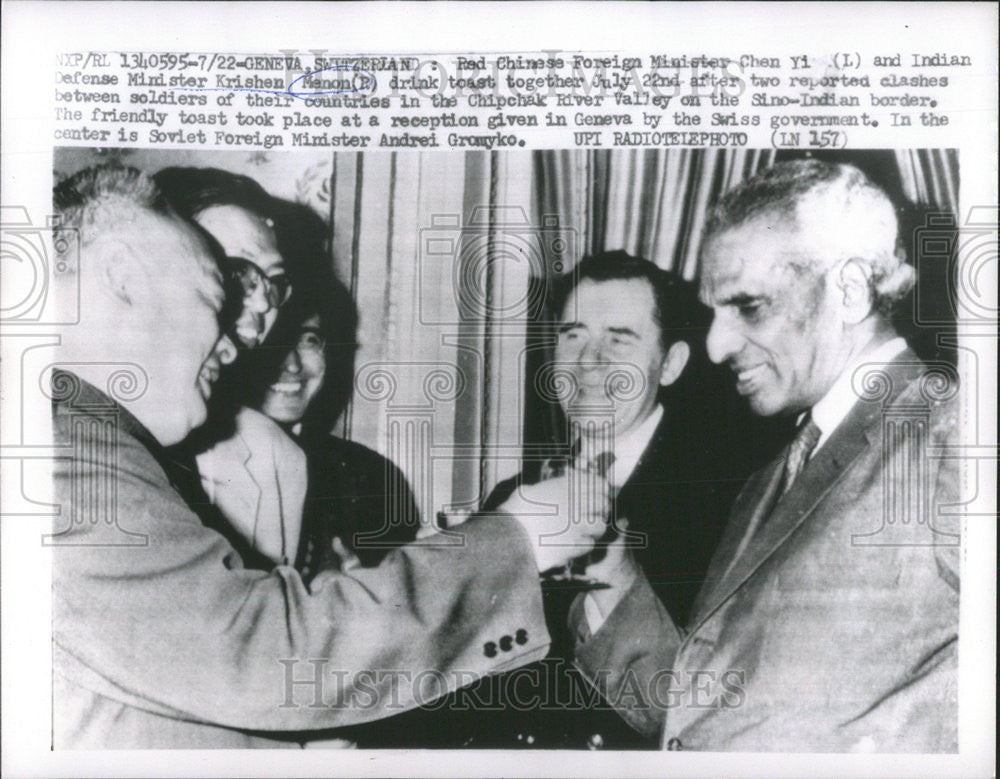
[799, 450]
[602, 463]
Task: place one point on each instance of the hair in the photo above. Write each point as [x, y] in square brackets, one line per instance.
[189, 191]
[97, 199]
[857, 217]
[192, 190]
[301, 237]
[676, 310]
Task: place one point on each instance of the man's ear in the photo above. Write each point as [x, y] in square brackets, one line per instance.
[674, 364]
[855, 292]
[120, 272]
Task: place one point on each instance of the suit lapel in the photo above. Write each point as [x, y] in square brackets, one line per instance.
[256, 492]
[656, 463]
[755, 498]
[852, 437]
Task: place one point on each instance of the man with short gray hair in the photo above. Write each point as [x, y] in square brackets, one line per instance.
[161, 637]
[829, 620]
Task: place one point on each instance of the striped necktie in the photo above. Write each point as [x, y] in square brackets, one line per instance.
[799, 450]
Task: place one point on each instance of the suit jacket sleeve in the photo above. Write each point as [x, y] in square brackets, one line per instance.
[629, 659]
[177, 627]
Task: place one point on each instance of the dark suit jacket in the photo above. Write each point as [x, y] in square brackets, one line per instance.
[161, 638]
[676, 501]
[357, 495]
[837, 628]
[677, 497]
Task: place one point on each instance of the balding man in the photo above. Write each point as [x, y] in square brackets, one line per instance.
[161, 638]
[829, 620]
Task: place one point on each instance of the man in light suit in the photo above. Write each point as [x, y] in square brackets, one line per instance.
[829, 620]
[161, 638]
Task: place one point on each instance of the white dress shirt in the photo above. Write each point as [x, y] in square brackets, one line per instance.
[834, 406]
[627, 448]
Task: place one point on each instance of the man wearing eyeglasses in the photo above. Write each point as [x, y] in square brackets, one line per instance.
[233, 210]
[252, 473]
[162, 637]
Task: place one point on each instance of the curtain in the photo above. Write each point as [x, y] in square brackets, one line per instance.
[930, 176]
[436, 250]
[651, 203]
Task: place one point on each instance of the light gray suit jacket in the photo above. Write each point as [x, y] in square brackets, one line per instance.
[837, 628]
[162, 639]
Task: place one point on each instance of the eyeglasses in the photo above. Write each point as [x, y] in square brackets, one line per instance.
[277, 289]
[311, 341]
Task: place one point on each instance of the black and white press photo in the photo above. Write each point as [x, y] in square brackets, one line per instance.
[449, 389]
[553, 450]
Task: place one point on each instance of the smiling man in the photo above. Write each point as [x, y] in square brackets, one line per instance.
[151, 278]
[234, 210]
[625, 336]
[829, 620]
[300, 376]
[161, 636]
[618, 344]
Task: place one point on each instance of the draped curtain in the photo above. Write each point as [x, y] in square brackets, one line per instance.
[930, 177]
[422, 241]
[448, 257]
[649, 203]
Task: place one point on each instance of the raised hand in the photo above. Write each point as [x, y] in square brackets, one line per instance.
[563, 516]
[614, 565]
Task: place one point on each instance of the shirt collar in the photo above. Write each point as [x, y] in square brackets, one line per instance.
[629, 448]
[834, 406]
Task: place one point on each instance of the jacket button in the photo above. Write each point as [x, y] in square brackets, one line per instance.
[506, 643]
[490, 649]
[521, 636]
[596, 741]
[674, 745]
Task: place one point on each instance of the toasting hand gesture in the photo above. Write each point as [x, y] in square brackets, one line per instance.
[563, 516]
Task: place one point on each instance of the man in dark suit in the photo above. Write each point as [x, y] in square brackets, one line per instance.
[829, 620]
[161, 637]
[628, 336]
[630, 356]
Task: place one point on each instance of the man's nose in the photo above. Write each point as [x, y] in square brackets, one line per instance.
[591, 352]
[293, 362]
[257, 300]
[225, 350]
[723, 340]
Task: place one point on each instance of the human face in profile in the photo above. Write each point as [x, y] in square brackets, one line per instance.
[302, 372]
[775, 317]
[175, 310]
[254, 262]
